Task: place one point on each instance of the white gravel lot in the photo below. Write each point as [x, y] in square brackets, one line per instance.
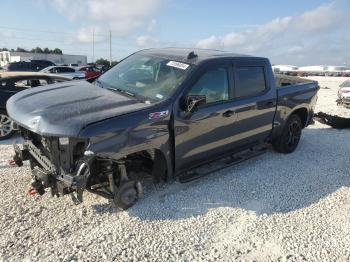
[272, 208]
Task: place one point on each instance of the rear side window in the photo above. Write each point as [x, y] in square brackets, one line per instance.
[34, 67]
[67, 70]
[249, 81]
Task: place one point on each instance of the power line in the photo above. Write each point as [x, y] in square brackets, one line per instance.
[43, 31]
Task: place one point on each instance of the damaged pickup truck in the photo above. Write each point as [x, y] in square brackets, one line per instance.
[161, 113]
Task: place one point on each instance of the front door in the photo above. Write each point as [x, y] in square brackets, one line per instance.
[207, 131]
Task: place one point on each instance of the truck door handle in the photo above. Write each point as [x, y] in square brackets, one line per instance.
[266, 104]
[270, 103]
[228, 113]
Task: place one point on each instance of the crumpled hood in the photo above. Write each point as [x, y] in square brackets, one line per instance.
[64, 109]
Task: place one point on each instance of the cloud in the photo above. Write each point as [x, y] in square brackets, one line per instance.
[146, 41]
[71, 9]
[123, 17]
[292, 38]
[86, 35]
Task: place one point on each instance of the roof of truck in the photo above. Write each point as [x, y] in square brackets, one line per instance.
[183, 54]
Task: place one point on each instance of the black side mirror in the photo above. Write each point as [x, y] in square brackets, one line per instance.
[192, 102]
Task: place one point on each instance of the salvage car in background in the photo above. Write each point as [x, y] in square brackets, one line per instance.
[14, 82]
[165, 113]
[90, 71]
[23, 66]
[67, 71]
[344, 94]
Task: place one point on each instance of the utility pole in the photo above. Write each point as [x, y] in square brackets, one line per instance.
[93, 45]
[110, 47]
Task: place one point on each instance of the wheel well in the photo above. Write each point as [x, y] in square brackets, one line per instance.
[303, 114]
[151, 161]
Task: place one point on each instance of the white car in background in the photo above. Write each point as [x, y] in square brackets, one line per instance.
[344, 94]
[65, 71]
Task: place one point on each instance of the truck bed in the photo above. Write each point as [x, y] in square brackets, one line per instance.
[284, 80]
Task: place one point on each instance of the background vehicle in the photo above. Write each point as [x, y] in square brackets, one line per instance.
[23, 66]
[312, 70]
[335, 70]
[162, 112]
[14, 82]
[65, 71]
[344, 94]
[42, 62]
[90, 71]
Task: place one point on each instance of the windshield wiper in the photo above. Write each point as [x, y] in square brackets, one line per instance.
[121, 91]
[98, 82]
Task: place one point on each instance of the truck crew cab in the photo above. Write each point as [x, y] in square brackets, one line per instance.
[162, 112]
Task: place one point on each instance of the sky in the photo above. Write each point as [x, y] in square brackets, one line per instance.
[286, 31]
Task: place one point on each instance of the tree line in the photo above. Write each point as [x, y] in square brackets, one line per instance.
[58, 51]
[38, 50]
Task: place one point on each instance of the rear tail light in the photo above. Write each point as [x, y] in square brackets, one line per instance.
[345, 91]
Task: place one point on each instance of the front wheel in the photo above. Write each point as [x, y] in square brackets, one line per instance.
[290, 137]
[127, 195]
[6, 130]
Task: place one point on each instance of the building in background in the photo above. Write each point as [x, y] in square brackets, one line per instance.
[9, 57]
[285, 69]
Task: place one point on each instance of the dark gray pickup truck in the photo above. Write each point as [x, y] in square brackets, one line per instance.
[160, 113]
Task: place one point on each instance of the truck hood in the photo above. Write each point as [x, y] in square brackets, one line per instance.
[64, 109]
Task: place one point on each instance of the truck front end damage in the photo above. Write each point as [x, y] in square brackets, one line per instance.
[63, 166]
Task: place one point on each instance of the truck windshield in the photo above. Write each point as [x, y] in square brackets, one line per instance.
[151, 78]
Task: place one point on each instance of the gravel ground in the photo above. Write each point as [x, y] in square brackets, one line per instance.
[328, 96]
[272, 208]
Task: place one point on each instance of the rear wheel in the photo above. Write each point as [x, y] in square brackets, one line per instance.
[6, 130]
[290, 137]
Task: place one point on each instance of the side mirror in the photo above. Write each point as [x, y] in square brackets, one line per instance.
[192, 102]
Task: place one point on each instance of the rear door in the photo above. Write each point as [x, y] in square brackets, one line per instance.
[254, 99]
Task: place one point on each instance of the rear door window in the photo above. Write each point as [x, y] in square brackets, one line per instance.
[66, 70]
[249, 81]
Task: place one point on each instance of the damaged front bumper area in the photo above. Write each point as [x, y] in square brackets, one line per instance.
[61, 167]
[66, 166]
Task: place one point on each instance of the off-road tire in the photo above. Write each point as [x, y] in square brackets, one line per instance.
[290, 137]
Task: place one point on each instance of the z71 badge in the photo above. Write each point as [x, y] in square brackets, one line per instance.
[156, 115]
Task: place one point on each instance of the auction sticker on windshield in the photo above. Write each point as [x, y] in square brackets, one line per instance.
[179, 65]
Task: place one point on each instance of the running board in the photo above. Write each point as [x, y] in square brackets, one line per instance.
[222, 163]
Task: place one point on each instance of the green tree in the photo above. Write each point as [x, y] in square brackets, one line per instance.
[19, 49]
[37, 50]
[102, 61]
[105, 62]
[46, 50]
[57, 51]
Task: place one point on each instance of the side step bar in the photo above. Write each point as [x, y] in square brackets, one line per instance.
[221, 164]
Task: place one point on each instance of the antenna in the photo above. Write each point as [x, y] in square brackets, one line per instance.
[110, 47]
[93, 45]
[192, 55]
